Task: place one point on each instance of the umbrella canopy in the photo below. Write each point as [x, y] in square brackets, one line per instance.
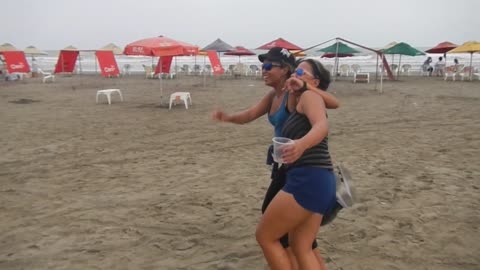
[112, 47]
[70, 48]
[239, 50]
[7, 47]
[404, 49]
[389, 45]
[160, 46]
[298, 53]
[442, 47]
[279, 42]
[342, 49]
[219, 46]
[467, 47]
[34, 51]
[332, 55]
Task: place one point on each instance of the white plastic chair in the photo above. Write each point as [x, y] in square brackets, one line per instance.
[47, 76]
[177, 96]
[344, 69]
[108, 93]
[356, 69]
[406, 69]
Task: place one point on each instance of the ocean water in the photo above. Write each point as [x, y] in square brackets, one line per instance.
[366, 60]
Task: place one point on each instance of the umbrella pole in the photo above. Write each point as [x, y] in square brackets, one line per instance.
[80, 63]
[204, 73]
[381, 76]
[471, 68]
[376, 74]
[161, 81]
[336, 61]
[398, 68]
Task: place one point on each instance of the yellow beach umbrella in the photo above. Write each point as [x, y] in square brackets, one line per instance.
[298, 53]
[468, 47]
[112, 47]
[7, 47]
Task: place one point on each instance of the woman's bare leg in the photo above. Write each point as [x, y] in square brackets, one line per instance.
[301, 239]
[282, 215]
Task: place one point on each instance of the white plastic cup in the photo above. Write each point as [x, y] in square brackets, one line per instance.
[278, 144]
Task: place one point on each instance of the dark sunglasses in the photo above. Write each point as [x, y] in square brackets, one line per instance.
[269, 66]
[300, 72]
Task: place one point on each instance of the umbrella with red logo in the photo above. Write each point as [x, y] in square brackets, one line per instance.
[160, 46]
[279, 42]
[240, 51]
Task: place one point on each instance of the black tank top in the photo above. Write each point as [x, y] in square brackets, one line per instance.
[295, 127]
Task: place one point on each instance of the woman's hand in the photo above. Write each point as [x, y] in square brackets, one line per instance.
[292, 152]
[295, 86]
[219, 115]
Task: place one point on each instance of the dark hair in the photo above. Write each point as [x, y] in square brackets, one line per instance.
[319, 72]
[440, 58]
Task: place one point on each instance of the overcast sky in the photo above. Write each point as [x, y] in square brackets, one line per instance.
[90, 24]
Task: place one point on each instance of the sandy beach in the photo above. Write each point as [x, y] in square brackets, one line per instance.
[133, 185]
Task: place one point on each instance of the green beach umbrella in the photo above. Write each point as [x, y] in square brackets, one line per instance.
[338, 47]
[402, 48]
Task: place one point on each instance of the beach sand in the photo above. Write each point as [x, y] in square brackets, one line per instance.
[134, 186]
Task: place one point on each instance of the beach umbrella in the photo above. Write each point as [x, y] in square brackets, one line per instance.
[332, 55]
[298, 53]
[112, 47]
[442, 47]
[402, 48]
[279, 42]
[32, 51]
[219, 46]
[240, 51]
[70, 48]
[109, 47]
[468, 47]
[7, 47]
[338, 48]
[160, 46]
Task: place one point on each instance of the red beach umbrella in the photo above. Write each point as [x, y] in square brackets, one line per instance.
[160, 46]
[332, 55]
[240, 51]
[279, 42]
[442, 47]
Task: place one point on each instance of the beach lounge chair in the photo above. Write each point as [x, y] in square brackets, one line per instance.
[47, 76]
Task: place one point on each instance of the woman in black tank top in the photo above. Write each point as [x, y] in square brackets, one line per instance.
[310, 189]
